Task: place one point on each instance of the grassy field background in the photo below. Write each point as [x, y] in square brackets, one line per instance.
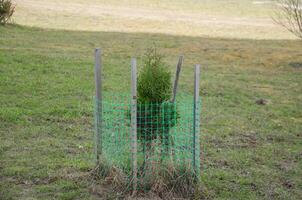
[219, 18]
[250, 151]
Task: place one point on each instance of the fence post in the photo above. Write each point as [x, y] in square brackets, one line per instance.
[178, 68]
[98, 93]
[196, 119]
[134, 122]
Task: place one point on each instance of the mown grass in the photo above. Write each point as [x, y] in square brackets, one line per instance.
[251, 151]
[206, 18]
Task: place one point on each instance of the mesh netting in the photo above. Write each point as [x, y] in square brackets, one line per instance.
[167, 146]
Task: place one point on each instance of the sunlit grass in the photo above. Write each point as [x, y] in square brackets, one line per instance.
[230, 18]
[250, 151]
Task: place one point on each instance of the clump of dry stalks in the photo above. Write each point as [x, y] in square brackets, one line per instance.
[173, 181]
[167, 182]
[111, 175]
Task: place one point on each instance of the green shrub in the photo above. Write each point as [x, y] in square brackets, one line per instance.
[7, 9]
[154, 82]
[156, 114]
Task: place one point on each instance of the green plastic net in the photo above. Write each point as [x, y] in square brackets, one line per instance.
[168, 145]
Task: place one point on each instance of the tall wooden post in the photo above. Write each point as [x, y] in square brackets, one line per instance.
[178, 68]
[196, 119]
[134, 122]
[98, 96]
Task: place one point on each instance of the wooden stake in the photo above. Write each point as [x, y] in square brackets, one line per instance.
[98, 94]
[134, 122]
[178, 68]
[196, 119]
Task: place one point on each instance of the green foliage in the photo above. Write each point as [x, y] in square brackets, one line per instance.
[154, 82]
[156, 115]
[155, 120]
[7, 9]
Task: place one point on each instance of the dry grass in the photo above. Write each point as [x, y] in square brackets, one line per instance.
[231, 19]
[168, 182]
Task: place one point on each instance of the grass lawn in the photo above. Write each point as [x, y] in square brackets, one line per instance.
[250, 151]
[208, 18]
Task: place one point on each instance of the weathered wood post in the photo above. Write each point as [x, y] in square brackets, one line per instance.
[134, 123]
[174, 92]
[98, 96]
[178, 68]
[196, 119]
